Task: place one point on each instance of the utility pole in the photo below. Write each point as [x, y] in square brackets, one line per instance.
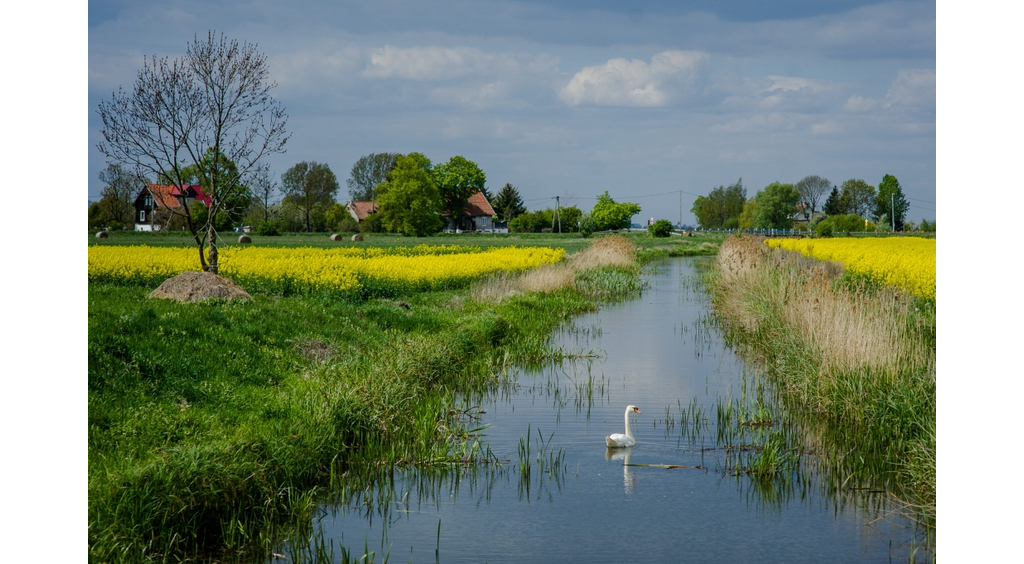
[680, 209]
[558, 212]
[892, 199]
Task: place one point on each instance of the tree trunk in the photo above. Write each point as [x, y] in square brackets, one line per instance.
[212, 266]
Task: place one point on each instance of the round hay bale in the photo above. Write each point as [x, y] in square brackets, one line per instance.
[101, 234]
[357, 237]
[194, 286]
[335, 237]
[244, 240]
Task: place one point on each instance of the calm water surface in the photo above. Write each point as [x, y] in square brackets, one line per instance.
[654, 352]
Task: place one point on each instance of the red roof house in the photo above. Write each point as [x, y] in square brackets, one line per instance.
[155, 198]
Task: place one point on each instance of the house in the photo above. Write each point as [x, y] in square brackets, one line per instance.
[478, 216]
[155, 203]
[359, 210]
[802, 216]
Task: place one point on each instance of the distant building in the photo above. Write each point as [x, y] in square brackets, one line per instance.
[359, 210]
[478, 216]
[155, 203]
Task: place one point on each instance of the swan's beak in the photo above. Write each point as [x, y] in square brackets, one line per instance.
[636, 410]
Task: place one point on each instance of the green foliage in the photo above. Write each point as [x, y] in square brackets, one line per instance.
[746, 219]
[456, 181]
[608, 214]
[834, 204]
[372, 224]
[508, 204]
[311, 187]
[660, 228]
[775, 206]
[891, 201]
[216, 169]
[118, 194]
[884, 225]
[410, 202]
[858, 197]
[532, 222]
[587, 225]
[96, 217]
[367, 173]
[570, 217]
[720, 205]
[268, 229]
[927, 226]
[823, 229]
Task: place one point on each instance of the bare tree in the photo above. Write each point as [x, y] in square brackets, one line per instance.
[217, 97]
[264, 187]
[367, 173]
[119, 191]
[811, 189]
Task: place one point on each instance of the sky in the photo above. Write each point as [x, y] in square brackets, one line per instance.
[656, 102]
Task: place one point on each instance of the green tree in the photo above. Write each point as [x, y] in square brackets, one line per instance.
[891, 201]
[608, 214]
[570, 216]
[367, 173]
[218, 96]
[860, 197]
[508, 204]
[834, 203]
[660, 228]
[310, 186]
[118, 193]
[457, 180]
[811, 189]
[715, 209]
[410, 202]
[775, 206]
[746, 219]
[532, 222]
[215, 164]
[587, 225]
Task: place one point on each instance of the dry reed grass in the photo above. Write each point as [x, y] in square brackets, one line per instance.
[614, 250]
[847, 330]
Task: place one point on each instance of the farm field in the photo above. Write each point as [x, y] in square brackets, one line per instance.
[903, 262]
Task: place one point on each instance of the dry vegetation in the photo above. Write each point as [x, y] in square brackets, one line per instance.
[612, 251]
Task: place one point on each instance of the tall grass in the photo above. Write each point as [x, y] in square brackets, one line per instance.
[858, 357]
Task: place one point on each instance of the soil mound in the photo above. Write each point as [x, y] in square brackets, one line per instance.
[194, 286]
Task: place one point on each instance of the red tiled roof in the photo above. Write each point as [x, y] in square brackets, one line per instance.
[166, 195]
[362, 209]
[478, 206]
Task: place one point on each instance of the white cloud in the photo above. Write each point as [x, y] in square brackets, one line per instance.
[825, 128]
[859, 104]
[619, 82]
[912, 87]
[428, 63]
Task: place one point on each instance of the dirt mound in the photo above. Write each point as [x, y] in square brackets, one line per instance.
[194, 286]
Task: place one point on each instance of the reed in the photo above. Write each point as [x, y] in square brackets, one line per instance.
[857, 356]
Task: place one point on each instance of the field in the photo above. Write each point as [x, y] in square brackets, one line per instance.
[903, 262]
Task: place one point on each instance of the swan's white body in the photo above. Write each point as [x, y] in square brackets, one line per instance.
[618, 440]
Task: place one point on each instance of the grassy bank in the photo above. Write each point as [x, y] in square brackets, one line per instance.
[857, 359]
[214, 426]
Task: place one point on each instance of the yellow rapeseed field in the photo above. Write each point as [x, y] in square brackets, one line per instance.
[308, 269]
[903, 262]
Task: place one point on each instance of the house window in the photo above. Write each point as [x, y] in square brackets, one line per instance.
[142, 215]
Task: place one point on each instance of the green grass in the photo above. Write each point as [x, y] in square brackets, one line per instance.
[215, 427]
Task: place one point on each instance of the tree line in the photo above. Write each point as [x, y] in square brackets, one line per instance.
[854, 205]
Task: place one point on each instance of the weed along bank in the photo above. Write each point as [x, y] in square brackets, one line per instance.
[430, 399]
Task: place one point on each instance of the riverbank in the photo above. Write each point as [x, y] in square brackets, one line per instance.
[214, 426]
[858, 358]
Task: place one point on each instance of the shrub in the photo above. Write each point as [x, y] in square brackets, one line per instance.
[115, 225]
[268, 229]
[660, 228]
[823, 229]
[587, 226]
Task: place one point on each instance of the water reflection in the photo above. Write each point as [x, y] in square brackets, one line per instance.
[721, 427]
[629, 474]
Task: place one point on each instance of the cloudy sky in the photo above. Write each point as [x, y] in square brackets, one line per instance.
[576, 97]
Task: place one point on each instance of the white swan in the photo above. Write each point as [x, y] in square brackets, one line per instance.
[618, 440]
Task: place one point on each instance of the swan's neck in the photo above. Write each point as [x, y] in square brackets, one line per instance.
[628, 432]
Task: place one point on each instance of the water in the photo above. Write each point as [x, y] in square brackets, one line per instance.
[584, 504]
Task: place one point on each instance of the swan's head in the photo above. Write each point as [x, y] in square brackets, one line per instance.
[633, 408]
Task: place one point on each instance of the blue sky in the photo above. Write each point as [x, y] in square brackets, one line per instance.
[574, 98]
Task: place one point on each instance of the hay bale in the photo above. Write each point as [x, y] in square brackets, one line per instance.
[101, 234]
[357, 237]
[194, 286]
[244, 240]
[335, 237]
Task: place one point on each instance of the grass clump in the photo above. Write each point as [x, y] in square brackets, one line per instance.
[859, 358]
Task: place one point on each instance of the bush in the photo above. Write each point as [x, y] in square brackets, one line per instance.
[587, 226]
[823, 229]
[115, 225]
[372, 224]
[660, 228]
[268, 229]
